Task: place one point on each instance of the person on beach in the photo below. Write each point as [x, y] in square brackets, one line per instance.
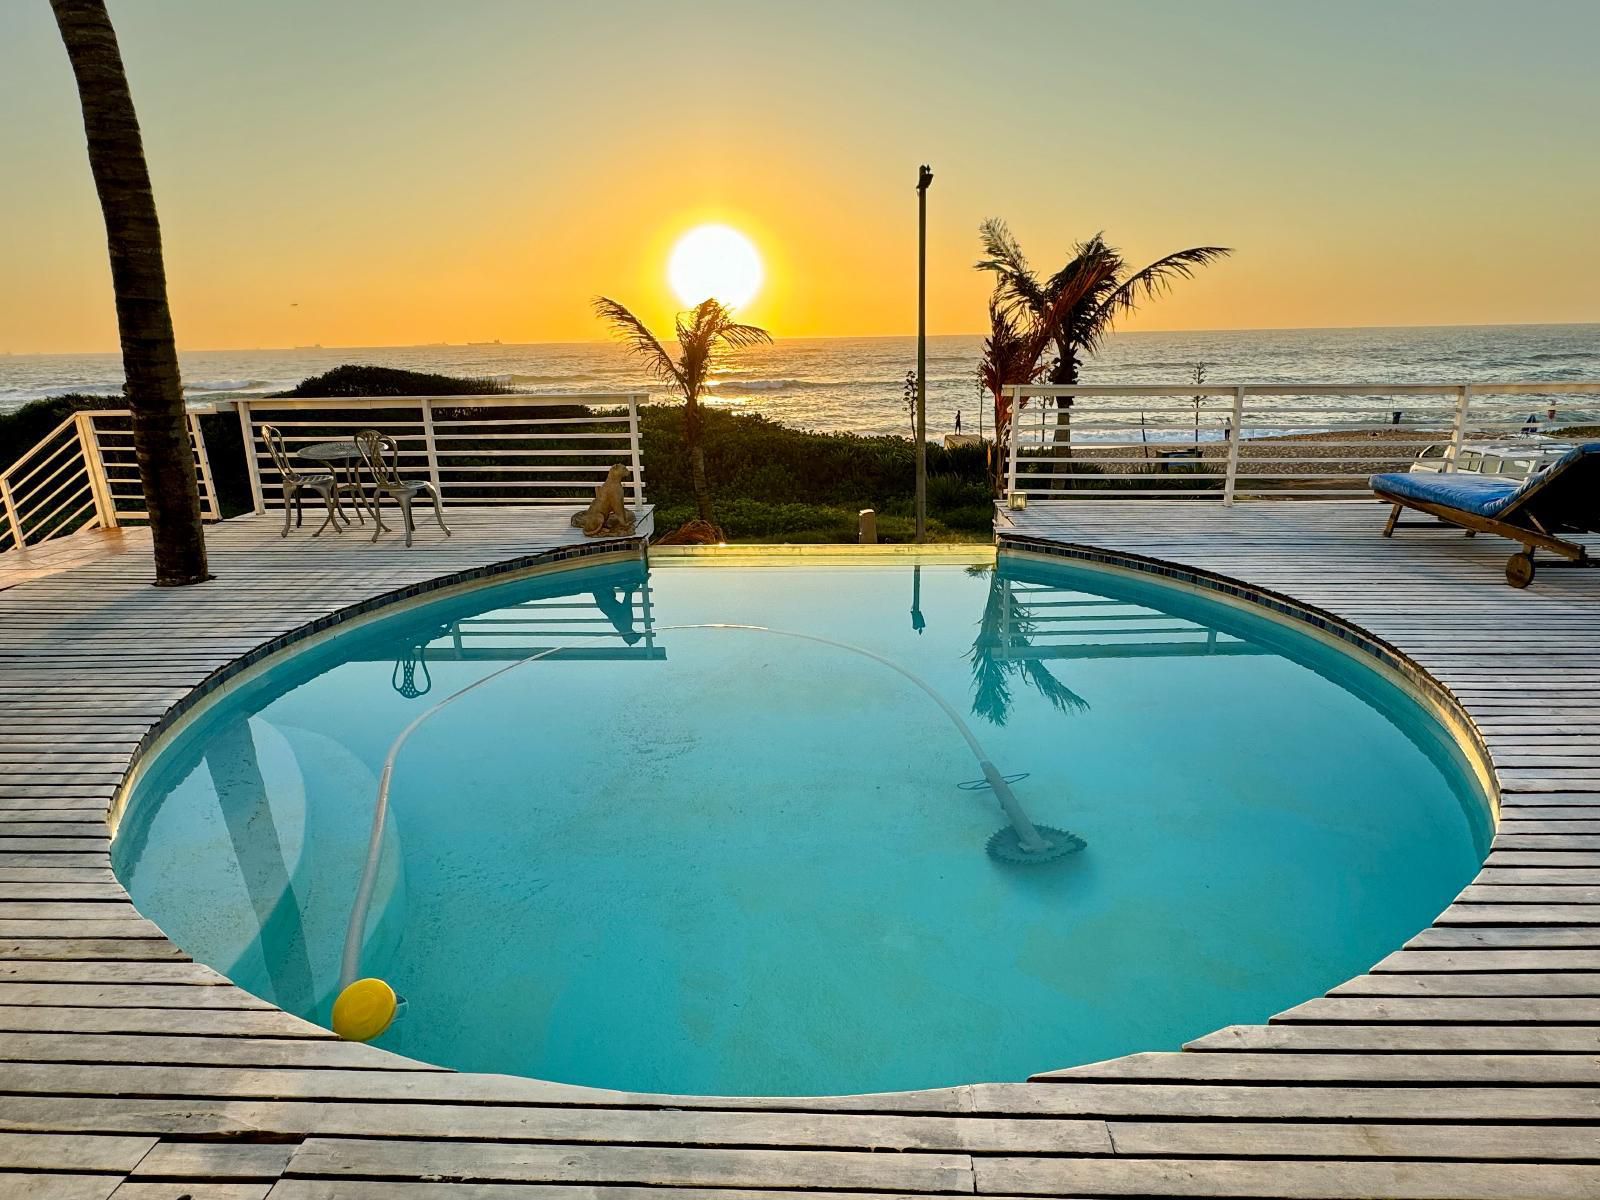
[958, 422]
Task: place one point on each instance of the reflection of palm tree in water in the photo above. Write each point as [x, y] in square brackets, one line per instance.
[230, 756]
[1007, 626]
[616, 603]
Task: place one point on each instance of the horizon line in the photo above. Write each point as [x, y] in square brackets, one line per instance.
[815, 337]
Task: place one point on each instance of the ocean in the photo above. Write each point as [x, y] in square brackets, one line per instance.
[856, 384]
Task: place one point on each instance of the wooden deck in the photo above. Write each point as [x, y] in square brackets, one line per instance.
[1466, 1064]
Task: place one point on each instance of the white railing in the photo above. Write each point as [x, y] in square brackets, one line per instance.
[82, 475]
[1256, 441]
[477, 450]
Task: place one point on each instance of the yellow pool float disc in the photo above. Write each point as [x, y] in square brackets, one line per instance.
[364, 1010]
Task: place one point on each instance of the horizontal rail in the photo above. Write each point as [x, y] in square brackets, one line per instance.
[1227, 390]
[483, 449]
[1224, 441]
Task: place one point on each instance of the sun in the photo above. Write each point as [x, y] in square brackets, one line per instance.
[715, 262]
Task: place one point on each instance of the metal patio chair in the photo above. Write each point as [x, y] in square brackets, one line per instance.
[381, 453]
[296, 483]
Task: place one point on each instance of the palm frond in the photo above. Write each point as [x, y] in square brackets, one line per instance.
[1014, 278]
[1155, 280]
[1061, 697]
[1072, 290]
[705, 333]
[741, 337]
[633, 333]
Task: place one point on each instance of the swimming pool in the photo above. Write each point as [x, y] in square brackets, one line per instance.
[670, 857]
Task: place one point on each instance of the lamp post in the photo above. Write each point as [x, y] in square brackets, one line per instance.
[924, 179]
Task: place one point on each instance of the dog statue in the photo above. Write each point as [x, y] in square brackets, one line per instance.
[608, 516]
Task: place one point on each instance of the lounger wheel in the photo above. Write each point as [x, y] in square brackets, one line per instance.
[1519, 570]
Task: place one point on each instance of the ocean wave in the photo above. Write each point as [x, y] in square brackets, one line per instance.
[864, 386]
[764, 385]
[518, 379]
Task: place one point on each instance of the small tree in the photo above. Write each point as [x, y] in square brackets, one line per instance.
[1198, 371]
[704, 333]
[1005, 362]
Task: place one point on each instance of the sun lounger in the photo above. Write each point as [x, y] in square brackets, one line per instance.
[1565, 497]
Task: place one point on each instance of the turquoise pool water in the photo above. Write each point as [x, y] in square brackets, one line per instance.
[717, 861]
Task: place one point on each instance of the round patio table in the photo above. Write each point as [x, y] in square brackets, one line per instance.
[340, 457]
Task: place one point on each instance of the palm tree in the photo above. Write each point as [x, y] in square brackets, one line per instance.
[139, 280]
[704, 334]
[1019, 335]
[1111, 295]
[1005, 361]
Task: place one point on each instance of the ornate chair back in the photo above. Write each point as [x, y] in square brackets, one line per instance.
[381, 453]
[273, 438]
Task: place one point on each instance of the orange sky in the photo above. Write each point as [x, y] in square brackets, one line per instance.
[364, 174]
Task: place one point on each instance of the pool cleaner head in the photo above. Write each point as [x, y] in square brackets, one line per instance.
[1006, 845]
[1022, 841]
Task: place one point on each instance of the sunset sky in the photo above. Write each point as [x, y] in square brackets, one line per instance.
[366, 173]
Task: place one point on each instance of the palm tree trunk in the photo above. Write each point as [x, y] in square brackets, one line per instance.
[697, 461]
[1064, 373]
[138, 277]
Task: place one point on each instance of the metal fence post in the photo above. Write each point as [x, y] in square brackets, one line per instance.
[11, 513]
[1458, 434]
[431, 445]
[105, 508]
[1230, 485]
[202, 468]
[1017, 402]
[635, 453]
[252, 467]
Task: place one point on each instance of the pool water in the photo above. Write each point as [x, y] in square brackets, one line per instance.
[719, 861]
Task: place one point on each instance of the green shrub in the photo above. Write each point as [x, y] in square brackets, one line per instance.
[357, 380]
[23, 429]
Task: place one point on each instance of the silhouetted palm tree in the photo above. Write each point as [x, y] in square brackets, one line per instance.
[1112, 294]
[139, 279]
[709, 332]
[1019, 335]
[1005, 361]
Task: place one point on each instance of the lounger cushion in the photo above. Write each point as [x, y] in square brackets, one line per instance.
[1484, 495]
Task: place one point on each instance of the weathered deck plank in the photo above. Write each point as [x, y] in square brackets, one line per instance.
[1467, 1063]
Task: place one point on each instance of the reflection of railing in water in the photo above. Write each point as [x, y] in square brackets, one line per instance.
[615, 621]
[1029, 622]
[1039, 621]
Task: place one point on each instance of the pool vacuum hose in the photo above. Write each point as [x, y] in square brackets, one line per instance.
[1020, 841]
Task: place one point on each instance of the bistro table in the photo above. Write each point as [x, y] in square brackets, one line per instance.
[340, 457]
